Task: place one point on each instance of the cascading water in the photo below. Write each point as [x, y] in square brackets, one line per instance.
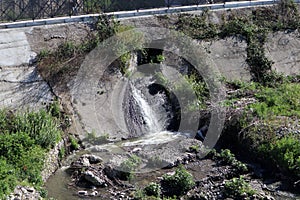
[152, 121]
[154, 111]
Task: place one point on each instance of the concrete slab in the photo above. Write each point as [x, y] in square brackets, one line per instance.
[14, 48]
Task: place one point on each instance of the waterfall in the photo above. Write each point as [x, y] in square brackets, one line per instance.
[151, 119]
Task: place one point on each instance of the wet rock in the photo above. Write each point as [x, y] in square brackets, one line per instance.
[93, 194]
[82, 193]
[94, 179]
[93, 159]
[22, 192]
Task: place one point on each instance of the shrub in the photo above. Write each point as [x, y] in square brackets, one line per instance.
[74, 143]
[284, 153]
[22, 156]
[92, 138]
[229, 158]
[281, 101]
[179, 183]
[194, 148]
[8, 180]
[238, 188]
[40, 126]
[54, 109]
[128, 166]
[153, 189]
[24, 139]
[62, 153]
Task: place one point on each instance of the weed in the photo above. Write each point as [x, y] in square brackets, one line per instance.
[74, 143]
[194, 148]
[281, 101]
[129, 165]
[238, 188]
[228, 158]
[179, 183]
[62, 153]
[153, 189]
[284, 153]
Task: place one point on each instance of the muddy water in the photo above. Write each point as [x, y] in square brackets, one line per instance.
[58, 187]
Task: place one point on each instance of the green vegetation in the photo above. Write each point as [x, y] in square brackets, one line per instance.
[197, 27]
[179, 183]
[252, 28]
[228, 158]
[238, 188]
[128, 166]
[93, 139]
[62, 153]
[281, 101]
[60, 66]
[152, 189]
[194, 148]
[74, 143]
[25, 138]
[283, 153]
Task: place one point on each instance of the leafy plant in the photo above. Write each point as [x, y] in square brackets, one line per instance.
[54, 109]
[229, 158]
[40, 126]
[129, 165]
[194, 148]
[62, 153]
[238, 188]
[153, 189]
[179, 183]
[284, 153]
[97, 140]
[74, 143]
[160, 58]
[24, 140]
[281, 101]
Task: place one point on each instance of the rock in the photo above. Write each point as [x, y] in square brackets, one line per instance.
[136, 150]
[82, 193]
[85, 162]
[30, 189]
[95, 193]
[93, 159]
[92, 178]
[24, 192]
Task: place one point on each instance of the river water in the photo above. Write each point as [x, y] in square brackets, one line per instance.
[154, 121]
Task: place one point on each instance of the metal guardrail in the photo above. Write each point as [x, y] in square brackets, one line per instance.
[137, 13]
[14, 10]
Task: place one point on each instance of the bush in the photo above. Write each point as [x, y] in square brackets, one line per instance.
[228, 158]
[238, 188]
[54, 109]
[8, 180]
[40, 126]
[24, 139]
[281, 101]
[74, 143]
[21, 159]
[284, 153]
[153, 189]
[179, 183]
[128, 166]
[62, 153]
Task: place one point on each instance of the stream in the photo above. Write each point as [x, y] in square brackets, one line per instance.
[147, 113]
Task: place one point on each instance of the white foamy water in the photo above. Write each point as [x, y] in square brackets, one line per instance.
[156, 138]
[148, 114]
